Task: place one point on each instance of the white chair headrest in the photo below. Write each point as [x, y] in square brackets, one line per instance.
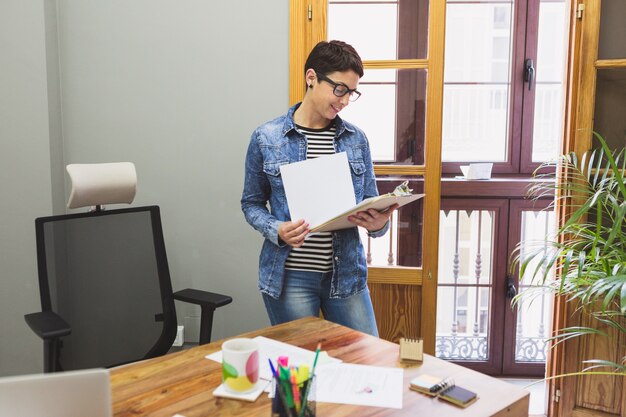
[99, 184]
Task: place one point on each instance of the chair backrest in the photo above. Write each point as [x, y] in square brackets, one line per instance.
[106, 274]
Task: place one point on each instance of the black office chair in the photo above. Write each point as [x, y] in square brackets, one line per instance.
[105, 288]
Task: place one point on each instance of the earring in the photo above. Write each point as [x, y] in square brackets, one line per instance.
[310, 86]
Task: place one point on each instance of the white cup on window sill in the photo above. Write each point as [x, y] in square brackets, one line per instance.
[477, 171]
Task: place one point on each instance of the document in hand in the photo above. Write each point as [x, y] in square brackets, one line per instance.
[320, 191]
[380, 203]
[317, 189]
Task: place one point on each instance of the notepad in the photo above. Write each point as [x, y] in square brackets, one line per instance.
[443, 388]
[458, 396]
[423, 383]
[411, 350]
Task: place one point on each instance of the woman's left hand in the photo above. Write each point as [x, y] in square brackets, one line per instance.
[371, 219]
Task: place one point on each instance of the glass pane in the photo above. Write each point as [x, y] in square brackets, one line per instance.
[477, 81]
[612, 30]
[466, 247]
[353, 24]
[465, 283]
[533, 328]
[462, 323]
[609, 120]
[401, 28]
[391, 112]
[533, 313]
[536, 225]
[550, 70]
[402, 246]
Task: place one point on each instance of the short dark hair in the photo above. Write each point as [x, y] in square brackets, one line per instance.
[327, 57]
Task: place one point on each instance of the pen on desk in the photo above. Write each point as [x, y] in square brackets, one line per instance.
[283, 361]
[285, 381]
[317, 354]
[275, 381]
[303, 373]
[296, 391]
[308, 386]
[274, 373]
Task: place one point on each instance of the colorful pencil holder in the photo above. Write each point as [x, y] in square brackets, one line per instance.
[293, 400]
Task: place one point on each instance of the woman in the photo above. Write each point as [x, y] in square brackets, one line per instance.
[301, 273]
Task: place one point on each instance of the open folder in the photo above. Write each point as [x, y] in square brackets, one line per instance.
[321, 192]
[380, 203]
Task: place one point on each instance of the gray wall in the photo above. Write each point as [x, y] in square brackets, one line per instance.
[175, 87]
[25, 181]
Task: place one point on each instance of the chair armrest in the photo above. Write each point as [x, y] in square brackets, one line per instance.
[48, 325]
[202, 298]
[208, 302]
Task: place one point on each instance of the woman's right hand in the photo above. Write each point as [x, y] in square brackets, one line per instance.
[293, 233]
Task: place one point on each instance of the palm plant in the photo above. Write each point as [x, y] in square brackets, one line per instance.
[589, 249]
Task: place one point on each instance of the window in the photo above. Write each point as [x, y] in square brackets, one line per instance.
[503, 83]
[503, 103]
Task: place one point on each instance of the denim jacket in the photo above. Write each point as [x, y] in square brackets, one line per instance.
[276, 143]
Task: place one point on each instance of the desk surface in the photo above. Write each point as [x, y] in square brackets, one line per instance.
[183, 382]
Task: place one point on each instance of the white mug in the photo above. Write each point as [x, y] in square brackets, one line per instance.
[240, 365]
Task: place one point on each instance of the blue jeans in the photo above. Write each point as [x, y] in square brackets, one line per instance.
[306, 292]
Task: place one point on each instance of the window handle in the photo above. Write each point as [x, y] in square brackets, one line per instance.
[510, 289]
[529, 72]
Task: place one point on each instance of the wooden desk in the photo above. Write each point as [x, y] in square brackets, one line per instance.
[183, 382]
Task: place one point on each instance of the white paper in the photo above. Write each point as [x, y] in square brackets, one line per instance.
[318, 189]
[346, 383]
[477, 171]
[270, 348]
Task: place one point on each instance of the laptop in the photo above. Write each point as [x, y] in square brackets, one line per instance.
[64, 394]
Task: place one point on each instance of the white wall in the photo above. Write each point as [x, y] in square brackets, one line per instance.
[175, 87]
[25, 180]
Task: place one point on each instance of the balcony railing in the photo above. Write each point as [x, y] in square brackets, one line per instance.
[466, 283]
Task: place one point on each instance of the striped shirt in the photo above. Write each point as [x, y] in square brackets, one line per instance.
[316, 254]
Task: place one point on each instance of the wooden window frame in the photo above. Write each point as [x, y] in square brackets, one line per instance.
[308, 22]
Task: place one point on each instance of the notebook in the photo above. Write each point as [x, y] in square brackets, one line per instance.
[64, 394]
[443, 388]
[458, 396]
[423, 383]
[411, 350]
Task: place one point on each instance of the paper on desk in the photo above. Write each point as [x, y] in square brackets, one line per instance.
[347, 383]
[270, 348]
[318, 189]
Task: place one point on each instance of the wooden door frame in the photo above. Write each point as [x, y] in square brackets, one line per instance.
[559, 391]
[308, 23]
[580, 100]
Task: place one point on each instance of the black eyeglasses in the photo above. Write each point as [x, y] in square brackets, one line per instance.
[340, 90]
